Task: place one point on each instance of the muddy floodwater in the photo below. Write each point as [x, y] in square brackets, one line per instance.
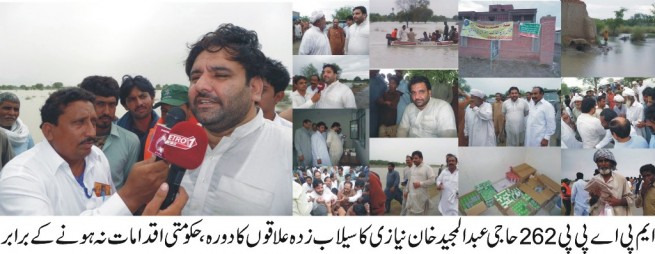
[409, 57]
[625, 59]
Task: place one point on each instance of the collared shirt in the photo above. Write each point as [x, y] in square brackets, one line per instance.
[579, 195]
[418, 199]
[590, 129]
[635, 142]
[568, 137]
[336, 96]
[358, 39]
[121, 149]
[540, 124]
[328, 196]
[299, 101]
[303, 144]
[608, 138]
[448, 204]
[437, 119]
[320, 150]
[314, 42]
[40, 182]
[515, 112]
[282, 122]
[480, 127]
[247, 173]
[635, 114]
[127, 122]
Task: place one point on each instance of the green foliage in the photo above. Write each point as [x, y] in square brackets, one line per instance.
[565, 89]
[39, 86]
[357, 79]
[57, 85]
[617, 21]
[342, 13]
[436, 77]
[637, 35]
[309, 70]
[413, 10]
[304, 18]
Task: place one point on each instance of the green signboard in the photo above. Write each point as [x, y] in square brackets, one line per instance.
[529, 30]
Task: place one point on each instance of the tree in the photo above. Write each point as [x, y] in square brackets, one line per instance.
[342, 13]
[439, 77]
[565, 89]
[23, 87]
[304, 18]
[38, 86]
[57, 85]
[593, 82]
[158, 87]
[617, 21]
[309, 70]
[409, 9]
[357, 79]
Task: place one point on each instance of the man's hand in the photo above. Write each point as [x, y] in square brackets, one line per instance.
[319, 161]
[316, 97]
[440, 187]
[143, 182]
[174, 209]
[392, 189]
[544, 142]
[301, 157]
[614, 201]
[417, 185]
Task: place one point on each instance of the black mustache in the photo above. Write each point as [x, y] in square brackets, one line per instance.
[89, 140]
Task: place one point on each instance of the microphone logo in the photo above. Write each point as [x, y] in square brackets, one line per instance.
[181, 142]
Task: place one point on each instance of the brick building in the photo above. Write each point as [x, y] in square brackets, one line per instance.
[502, 13]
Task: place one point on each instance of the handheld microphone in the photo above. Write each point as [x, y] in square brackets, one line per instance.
[174, 116]
[185, 149]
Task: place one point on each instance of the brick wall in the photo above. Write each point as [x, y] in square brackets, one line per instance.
[519, 48]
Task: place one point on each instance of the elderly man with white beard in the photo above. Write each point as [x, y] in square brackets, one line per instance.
[634, 111]
[619, 201]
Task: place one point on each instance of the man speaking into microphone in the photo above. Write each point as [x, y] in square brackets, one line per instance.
[246, 170]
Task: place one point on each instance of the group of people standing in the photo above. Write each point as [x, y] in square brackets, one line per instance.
[352, 39]
[318, 146]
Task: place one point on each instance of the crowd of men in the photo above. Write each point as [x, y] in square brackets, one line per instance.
[326, 93]
[318, 39]
[447, 34]
[318, 146]
[412, 192]
[620, 117]
[609, 193]
[515, 121]
[407, 108]
[329, 191]
[94, 163]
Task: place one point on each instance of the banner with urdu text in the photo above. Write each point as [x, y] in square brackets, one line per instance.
[501, 31]
[529, 30]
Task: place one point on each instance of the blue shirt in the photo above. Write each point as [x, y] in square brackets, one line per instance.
[127, 122]
[122, 150]
[393, 179]
[635, 141]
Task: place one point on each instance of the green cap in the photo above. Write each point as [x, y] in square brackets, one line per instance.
[174, 95]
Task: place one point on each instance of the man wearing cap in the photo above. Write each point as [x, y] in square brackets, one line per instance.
[618, 107]
[426, 116]
[16, 131]
[577, 102]
[540, 124]
[619, 201]
[119, 145]
[276, 80]
[315, 42]
[479, 125]
[634, 111]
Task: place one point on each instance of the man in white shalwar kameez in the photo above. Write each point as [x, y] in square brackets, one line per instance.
[319, 147]
[634, 111]
[421, 177]
[314, 41]
[335, 95]
[541, 120]
[334, 143]
[426, 117]
[515, 110]
[447, 183]
[479, 128]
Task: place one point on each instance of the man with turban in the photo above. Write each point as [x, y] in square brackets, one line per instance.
[619, 200]
[618, 106]
[315, 42]
[479, 125]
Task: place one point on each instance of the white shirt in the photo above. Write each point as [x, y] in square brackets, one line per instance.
[579, 195]
[635, 113]
[448, 204]
[328, 196]
[515, 112]
[314, 42]
[319, 150]
[358, 39]
[540, 124]
[480, 127]
[402, 35]
[568, 137]
[282, 122]
[40, 182]
[336, 96]
[300, 205]
[247, 173]
[437, 119]
[299, 101]
[590, 129]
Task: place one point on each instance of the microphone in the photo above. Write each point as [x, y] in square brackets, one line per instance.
[185, 149]
[174, 116]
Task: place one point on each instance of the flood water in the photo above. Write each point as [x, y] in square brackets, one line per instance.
[626, 59]
[409, 57]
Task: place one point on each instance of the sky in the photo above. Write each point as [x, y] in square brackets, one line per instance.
[501, 85]
[603, 9]
[395, 149]
[446, 8]
[65, 42]
[327, 7]
[581, 160]
[544, 8]
[571, 82]
[351, 66]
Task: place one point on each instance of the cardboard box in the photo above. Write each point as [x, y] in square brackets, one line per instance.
[476, 209]
[524, 171]
[540, 188]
